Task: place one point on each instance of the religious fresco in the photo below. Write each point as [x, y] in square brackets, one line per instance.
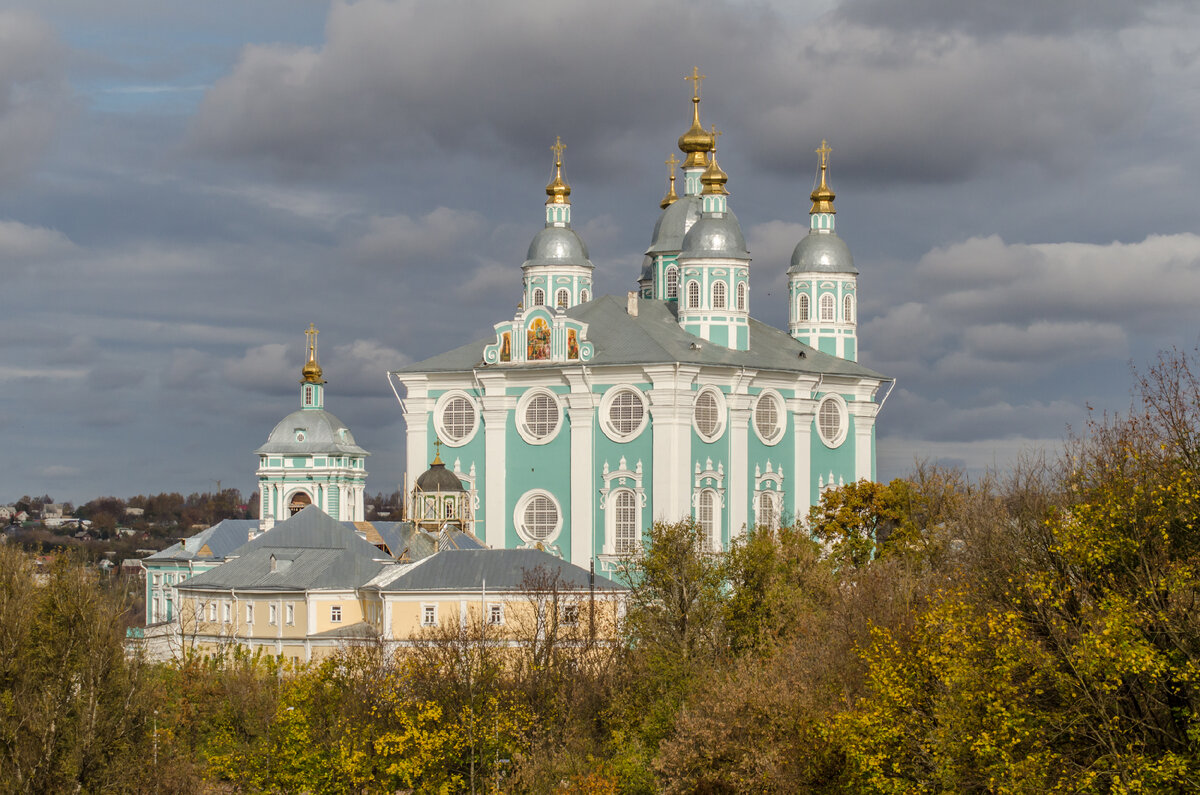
[506, 347]
[538, 340]
[572, 344]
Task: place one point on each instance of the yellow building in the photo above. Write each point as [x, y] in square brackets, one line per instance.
[312, 584]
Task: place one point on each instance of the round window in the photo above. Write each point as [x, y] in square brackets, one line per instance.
[540, 417]
[537, 517]
[708, 414]
[768, 418]
[831, 421]
[625, 413]
[456, 419]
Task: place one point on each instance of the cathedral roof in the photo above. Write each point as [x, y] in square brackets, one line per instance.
[211, 543]
[714, 236]
[557, 245]
[438, 478]
[673, 223]
[654, 336]
[323, 433]
[822, 252]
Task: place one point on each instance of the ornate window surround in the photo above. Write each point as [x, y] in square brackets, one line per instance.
[620, 479]
[712, 480]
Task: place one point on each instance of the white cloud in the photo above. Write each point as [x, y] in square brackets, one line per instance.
[19, 241]
[405, 241]
[33, 90]
[264, 368]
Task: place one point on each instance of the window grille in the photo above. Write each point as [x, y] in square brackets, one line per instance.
[625, 522]
[625, 413]
[458, 418]
[540, 517]
[708, 417]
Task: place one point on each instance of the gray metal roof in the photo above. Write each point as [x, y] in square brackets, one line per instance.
[323, 433]
[655, 337]
[498, 569]
[310, 550]
[673, 224]
[557, 245]
[220, 539]
[714, 236]
[822, 252]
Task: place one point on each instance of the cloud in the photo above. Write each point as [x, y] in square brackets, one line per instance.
[58, 471]
[360, 368]
[264, 368]
[22, 242]
[33, 90]
[984, 19]
[403, 241]
[900, 102]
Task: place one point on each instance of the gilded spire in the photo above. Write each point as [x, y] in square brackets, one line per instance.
[714, 178]
[671, 196]
[695, 143]
[558, 190]
[312, 370]
[822, 196]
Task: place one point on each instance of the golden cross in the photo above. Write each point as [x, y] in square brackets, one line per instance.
[671, 162]
[695, 77]
[715, 134]
[311, 333]
[824, 153]
[558, 148]
[437, 444]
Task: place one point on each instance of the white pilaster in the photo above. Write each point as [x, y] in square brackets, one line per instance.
[803, 411]
[864, 420]
[495, 439]
[416, 406]
[739, 460]
[581, 410]
[671, 420]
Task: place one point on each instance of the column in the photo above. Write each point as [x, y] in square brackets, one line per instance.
[416, 406]
[864, 423]
[495, 417]
[671, 424]
[803, 411]
[738, 494]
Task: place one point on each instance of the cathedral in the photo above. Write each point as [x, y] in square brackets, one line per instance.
[583, 419]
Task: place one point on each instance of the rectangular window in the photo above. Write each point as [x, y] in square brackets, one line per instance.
[273, 614]
[570, 615]
[429, 615]
[249, 612]
[158, 579]
[291, 613]
[335, 614]
[496, 614]
[212, 611]
[226, 612]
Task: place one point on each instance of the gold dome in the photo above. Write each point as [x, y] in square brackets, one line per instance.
[671, 196]
[558, 190]
[714, 178]
[822, 196]
[311, 370]
[696, 142]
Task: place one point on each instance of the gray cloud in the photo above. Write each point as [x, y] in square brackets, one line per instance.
[33, 92]
[1024, 16]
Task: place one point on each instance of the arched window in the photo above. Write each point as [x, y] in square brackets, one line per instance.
[539, 297]
[693, 295]
[768, 510]
[584, 296]
[741, 297]
[718, 297]
[827, 307]
[848, 309]
[802, 308]
[562, 298]
[625, 522]
[673, 282]
[706, 515]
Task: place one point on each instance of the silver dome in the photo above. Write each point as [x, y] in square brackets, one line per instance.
[557, 245]
[673, 223]
[647, 270]
[323, 433]
[822, 252]
[715, 237]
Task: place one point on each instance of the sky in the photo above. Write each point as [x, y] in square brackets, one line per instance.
[184, 187]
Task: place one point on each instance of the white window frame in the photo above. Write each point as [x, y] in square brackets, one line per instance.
[606, 403]
[835, 441]
[622, 478]
[519, 517]
[848, 308]
[562, 297]
[712, 534]
[803, 308]
[226, 612]
[569, 615]
[780, 417]
[722, 414]
[539, 297]
[827, 305]
[439, 426]
[335, 614]
[720, 297]
[290, 613]
[273, 614]
[693, 294]
[710, 479]
[212, 612]
[249, 612]
[773, 500]
[429, 614]
[584, 296]
[523, 405]
[672, 276]
[741, 296]
[495, 616]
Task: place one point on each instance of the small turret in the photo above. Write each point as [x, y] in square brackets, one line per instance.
[557, 272]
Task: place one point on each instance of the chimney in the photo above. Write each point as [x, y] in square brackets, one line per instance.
[631, 304]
